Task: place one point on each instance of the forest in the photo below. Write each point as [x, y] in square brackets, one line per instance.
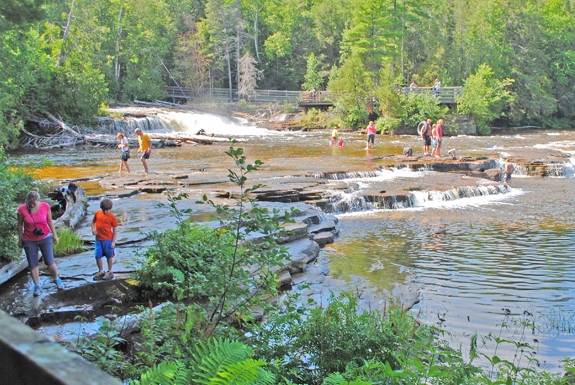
[515, 59]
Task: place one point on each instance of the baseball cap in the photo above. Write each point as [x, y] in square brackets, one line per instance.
[137, 129]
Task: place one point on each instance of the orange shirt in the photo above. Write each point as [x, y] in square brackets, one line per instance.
[104, 224]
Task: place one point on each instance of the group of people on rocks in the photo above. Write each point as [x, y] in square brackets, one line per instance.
[431, 134]
[145, 147]
[36, 233]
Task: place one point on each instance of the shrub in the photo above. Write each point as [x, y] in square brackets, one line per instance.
[219, 266]
[16, 180]
[308, 344]
[387, 124]
[355, 118]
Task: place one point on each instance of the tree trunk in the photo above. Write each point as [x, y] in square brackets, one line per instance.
[117, 65]
[229, 70]
[256, 34]
[238, 76]
[65, 37]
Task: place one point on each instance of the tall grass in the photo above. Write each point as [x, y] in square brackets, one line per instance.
[70, 243]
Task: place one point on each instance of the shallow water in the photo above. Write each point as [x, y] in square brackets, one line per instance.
[508, 251]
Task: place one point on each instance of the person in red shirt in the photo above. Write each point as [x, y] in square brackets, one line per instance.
[104, 227]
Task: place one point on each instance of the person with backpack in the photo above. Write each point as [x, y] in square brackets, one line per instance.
[424, 129]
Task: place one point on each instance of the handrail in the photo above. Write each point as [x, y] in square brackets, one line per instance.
[446, 95]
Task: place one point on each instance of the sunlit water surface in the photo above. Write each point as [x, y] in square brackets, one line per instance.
[513, 251]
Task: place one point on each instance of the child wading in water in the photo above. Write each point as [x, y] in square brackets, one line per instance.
[104, 227]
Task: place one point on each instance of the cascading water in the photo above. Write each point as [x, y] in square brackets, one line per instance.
[568, 169]
[355, 202]
[212, 124]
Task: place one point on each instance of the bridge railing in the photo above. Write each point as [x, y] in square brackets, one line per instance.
[445, 95]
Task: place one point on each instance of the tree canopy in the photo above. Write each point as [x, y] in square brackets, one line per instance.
[72, 57]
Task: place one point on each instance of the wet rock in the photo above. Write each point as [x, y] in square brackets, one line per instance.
[324, 238]
[180, 176]
[284, 279]
[323, 227]
[153, 190]
[302, 252]
[407, 294]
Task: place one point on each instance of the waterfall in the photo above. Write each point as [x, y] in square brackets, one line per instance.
[347, 203]
[382, 174]
[345, 175]
[342, 202]
[568, 169]
[129, 123]
[421, 197]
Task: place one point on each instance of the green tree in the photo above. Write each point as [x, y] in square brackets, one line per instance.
[313, 79]
[483, 98]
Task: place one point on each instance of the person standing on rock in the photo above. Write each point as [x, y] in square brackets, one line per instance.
[125, 146]
[36, 233]
[507, 172]
[424, 128]
[370, 132]
[438, 137]
[145, 147]
[104, 227]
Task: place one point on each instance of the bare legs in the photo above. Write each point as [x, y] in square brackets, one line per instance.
[101, 264]
[36, 274]
[122, 164]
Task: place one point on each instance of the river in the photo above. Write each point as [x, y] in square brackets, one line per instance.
[475, 259]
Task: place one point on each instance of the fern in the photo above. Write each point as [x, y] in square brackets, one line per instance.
[333, 379]
[166, 373]
[212, 357]
[245, 372]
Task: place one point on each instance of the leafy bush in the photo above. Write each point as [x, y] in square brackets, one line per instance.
[70, 243]
[15, 182]
[355, 118]
[484, 98]
[219, 266]
[387, 124]
[418, 107]
[308, 344]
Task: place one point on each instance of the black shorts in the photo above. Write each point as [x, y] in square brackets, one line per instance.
[125, 156]
[427, 140]
[146, 155]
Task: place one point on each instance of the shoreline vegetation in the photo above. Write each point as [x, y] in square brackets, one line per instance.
[64, 62]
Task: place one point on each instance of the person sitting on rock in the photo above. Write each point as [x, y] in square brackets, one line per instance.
[104, 227]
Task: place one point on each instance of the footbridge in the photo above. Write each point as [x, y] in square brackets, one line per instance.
[304, 99]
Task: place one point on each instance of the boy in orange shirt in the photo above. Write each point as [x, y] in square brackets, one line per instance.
[104, 227]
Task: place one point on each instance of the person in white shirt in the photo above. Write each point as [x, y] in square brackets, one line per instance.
[125, 146]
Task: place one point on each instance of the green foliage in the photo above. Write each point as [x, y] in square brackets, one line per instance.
[306, 344]
[387, 124]
[418, 107]
[217, 361]
[483, 98]
[70, 243]
[16, 180]
[313, 79]
[101, 349]
[355, 117]
[218, 265]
